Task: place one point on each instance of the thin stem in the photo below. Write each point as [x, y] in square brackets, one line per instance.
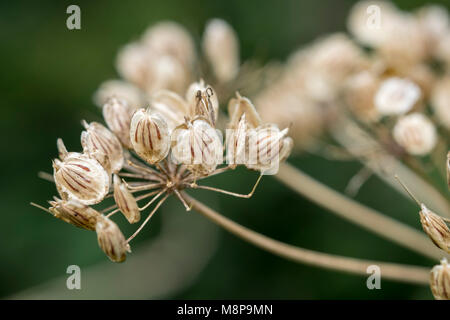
[144, 196]
[393, 271]
[148, 218]
[356, 212]
[46, 176]
[153, 200]
[183, 201]
[143, 187]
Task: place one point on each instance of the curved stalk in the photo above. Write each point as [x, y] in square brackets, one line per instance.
[397, 272]
[357, 213]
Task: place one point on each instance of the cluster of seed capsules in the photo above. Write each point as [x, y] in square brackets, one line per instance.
[164, 149]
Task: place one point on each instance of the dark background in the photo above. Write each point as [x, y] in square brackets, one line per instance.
[48, 75]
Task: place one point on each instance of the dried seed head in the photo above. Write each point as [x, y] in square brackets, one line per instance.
[75, 213]
[396, 96]
[171, 106]
[237, 142]
[239, 106]
[101, 144]
[197, 145]
[121, 90]
[111, 239]
[221, 48]
[415, 133]
[202, 101]
[436, 228]
[440, 101]
[125, 201]
[440, 281]
[149, 135]
[268, 146]
[117, 115]
[81, 178]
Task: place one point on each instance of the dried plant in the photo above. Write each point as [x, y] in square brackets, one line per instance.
[375, 96]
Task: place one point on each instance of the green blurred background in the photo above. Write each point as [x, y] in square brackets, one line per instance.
[48, 75]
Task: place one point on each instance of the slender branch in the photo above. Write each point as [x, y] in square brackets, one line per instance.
[398, 272]
[357, 213]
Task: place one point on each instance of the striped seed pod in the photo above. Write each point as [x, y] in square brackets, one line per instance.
[117, 115]
[125, 201]
[440, 281]
[111, 239]
[203, 102]
[436, 228]
[149, 135]
[75, 213]
[239, 106]
[81, 178]
[101, 144]
[197, 145]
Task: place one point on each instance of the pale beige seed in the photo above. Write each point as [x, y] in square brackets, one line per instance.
[203, 101]
[117, 114]
[268, 146]
[75, 213]
[149, 135]
[111, 240]
[125, 201]
[197, 145]
[239, 106]
[101, 144]
[81, 178]
[121, 90]
[448, 169]
[237, 143]
[440, 281]
[221, 48]
[170, 106]
[436, 228]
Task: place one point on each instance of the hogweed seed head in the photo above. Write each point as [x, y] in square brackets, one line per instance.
[111, 239]
[101, 144]
[117, 115]
[81, 178]
[396, 96]
[440, 281]
[436, 228]
[75, 213]
[221, 48]
[125, 201]
[415, 133]
[149, 135]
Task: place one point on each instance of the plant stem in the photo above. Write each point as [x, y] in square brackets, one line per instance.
[356, 212]
[398, 272]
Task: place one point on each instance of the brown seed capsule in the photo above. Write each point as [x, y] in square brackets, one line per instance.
[440, 281]
[436, 228]
[81, 178]
[101, 144]
[149, 135]
[75, 213]
[117, 115]
[197, 145]
[111, 239]
[203, 102]
[268, 146]
[125, 201]
[170, 106]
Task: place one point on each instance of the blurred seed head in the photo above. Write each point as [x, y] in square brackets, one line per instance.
[170, 106]
[440, 101]
[121, 90]
[396, 96]
[440, 281]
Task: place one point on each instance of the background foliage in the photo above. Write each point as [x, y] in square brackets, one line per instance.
[48, 75]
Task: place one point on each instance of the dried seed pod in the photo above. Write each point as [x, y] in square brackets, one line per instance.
[197, 145]
[440, 281]
[436, 228]
[448, 169]
[239, 106]
[415, 133]
[396, 96]
[117, 115]
[75, 213]
[132, 64]
[268, 146]
[125, 201]
[101, 144]
[203, 102]
[121, 90]
[440, 101]
[111, 239]
[149, 135]
[237, 142]
[221, 48]
[171, 106]
[81, 178]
